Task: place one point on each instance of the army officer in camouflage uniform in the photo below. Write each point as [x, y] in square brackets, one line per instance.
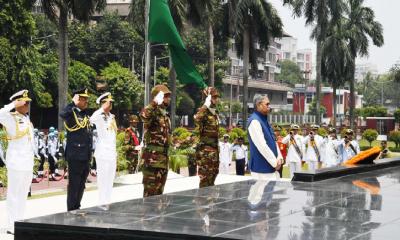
[207, 122]
[157, 130]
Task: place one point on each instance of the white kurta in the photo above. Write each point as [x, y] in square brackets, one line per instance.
[331, 152]
[19, 161]
[257, 136]
[105, 153]
[225, 157]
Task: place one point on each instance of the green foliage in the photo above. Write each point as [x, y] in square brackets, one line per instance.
[178, 158]
[181, 134]
[220, 68]
[236, 107]
[370, 135]
[162, 75]
[290, 73]
[221, 132]
[122, 162]
[110, 40]
[45, 33]
[396, 115]
[237, 132]
[395, 137]
[377, 111]
[16, 21]
[313, 108]
[185, 104]
[79, 75]
[124, 85]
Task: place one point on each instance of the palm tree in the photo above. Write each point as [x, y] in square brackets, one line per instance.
[58, 11]
[318, 13]
[337, 60]
[360, 26]
[205, 13]
[254, 22]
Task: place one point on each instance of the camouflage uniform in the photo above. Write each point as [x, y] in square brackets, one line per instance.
[207, 156]
[132, 155]
[157, 128]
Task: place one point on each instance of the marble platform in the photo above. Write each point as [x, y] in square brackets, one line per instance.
[340, 171]
[363, 206]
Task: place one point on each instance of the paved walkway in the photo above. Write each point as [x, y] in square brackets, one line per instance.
[130, 187]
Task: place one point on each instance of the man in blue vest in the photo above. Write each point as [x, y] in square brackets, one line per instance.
[265, 158]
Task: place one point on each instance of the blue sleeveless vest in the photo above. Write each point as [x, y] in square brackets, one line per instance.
[257, 161]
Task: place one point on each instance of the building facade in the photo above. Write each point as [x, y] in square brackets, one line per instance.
[342, 101]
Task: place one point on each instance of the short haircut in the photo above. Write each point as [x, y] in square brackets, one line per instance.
[259, 98]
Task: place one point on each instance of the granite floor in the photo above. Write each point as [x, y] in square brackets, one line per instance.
[363, 206]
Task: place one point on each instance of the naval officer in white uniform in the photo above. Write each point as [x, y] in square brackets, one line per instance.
[19, 155]
[106, 150]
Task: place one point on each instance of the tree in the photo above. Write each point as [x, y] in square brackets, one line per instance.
[80, 74]
[254, 22]
[360, 26]
[98, 45]
[370, 90]
[16, 21]
[370, 135]
[178, 12]
[58, 11]
[372, 111]
[205, 13]
[185, 104]
[124, 86]
[290, 73]
[313, 108]
[336, 60]
[318, 13]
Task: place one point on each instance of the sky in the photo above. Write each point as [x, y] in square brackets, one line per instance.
[386, 12]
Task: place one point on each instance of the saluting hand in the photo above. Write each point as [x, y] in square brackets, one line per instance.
[75, 99]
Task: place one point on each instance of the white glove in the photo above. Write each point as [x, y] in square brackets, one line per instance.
[159, 99]
[138, 148]
[207, 103]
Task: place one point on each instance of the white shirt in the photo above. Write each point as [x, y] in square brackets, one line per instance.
[240, 151]
[20, 152]
[347, 152]
[331, 151]
[257, 136]
[311, 155]
[106, 146]
[225, 155]
[52, 146]
[293, 155]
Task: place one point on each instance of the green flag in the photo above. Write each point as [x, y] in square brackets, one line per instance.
[162, 29]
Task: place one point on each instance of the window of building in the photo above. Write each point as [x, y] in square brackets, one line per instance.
[290, 100]
[287, 55]
[300, 56]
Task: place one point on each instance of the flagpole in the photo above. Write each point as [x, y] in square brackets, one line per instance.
[147, 62]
